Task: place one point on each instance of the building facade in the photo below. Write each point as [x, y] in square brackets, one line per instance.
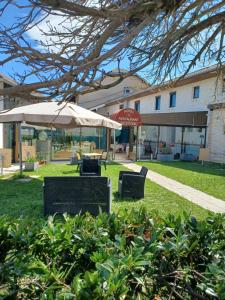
[179, 117]
[182, 116]
[9, 132]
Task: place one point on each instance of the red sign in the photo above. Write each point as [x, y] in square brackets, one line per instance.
[127, 117]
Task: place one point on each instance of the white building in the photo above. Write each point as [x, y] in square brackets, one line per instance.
[185, 115]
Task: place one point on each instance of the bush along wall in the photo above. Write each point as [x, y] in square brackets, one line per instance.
[126, 256]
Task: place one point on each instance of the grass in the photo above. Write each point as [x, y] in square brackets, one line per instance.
[208, 178]
[25, 198]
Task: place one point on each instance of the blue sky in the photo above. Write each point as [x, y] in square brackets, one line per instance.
[10, 18]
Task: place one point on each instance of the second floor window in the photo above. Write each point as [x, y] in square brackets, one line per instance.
[126, 90]
[157, 102]
[121, 106]
[137, 106]
[173, 99]
[196, 92]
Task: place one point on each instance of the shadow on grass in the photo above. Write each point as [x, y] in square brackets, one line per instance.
[207, 168]
[117, 198]
[73, 172]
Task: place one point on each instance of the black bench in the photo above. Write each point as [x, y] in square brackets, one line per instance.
[77, 194]
[90, 167]
[132, 184]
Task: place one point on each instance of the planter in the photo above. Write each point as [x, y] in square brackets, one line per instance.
[31, 166]
[164, 157]
[188, 157]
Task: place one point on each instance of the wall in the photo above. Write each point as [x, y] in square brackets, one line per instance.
[216, 135]
[97, 98]
[1, 125]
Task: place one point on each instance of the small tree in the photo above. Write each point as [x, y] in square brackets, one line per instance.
[165, 38]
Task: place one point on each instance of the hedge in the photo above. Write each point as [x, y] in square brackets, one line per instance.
[131, 255]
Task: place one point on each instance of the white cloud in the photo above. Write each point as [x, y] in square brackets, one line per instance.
[41, 34]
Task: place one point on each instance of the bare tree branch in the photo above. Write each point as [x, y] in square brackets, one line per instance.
[82, 37]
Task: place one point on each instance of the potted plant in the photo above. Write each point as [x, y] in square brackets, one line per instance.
[165, 154]
[31, 164]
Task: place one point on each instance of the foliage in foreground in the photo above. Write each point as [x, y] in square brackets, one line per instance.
[124, 256]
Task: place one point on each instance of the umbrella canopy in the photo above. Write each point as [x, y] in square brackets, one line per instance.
[53, 114]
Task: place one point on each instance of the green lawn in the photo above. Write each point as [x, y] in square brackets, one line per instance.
[208, 178]
[25, 198]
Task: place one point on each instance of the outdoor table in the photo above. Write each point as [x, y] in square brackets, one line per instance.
[92, 155]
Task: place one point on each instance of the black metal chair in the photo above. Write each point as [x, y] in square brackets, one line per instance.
[132, 184]
[90, 167]
[75, 194]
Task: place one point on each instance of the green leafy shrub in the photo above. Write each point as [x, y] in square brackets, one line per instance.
[126, 256]
[31, 159]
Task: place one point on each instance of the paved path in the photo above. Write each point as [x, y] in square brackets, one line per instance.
[202, 199]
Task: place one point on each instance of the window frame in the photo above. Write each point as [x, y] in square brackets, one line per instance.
[139, 105]
[197, 87]
[158, 102]
[126, 90]
[171, 103]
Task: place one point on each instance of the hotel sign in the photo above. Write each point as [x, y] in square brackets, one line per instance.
[127, 117]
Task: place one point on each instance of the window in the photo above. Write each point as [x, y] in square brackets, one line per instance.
[137, 105]
[196, 92]
[173, 99]
[223, 85]
[127, 90]
[121, 106]
[157, 102]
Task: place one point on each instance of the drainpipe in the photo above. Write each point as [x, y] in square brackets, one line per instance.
[20, 149]
[1, 164]
[205, 137]
[137, 137]
[139, 142]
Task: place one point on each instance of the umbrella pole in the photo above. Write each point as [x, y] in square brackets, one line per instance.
[20, 149]
[51, 145]
[80, 139]
[99, 138]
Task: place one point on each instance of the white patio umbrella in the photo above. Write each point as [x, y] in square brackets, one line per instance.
[53, 114]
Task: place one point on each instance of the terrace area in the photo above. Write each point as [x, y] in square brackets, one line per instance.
[25, 196]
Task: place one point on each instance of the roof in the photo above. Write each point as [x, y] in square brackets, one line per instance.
[116, 73]
[7, 79]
